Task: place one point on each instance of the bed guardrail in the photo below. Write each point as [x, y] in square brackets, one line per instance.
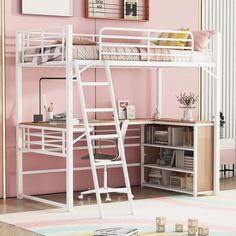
[145, 42]
[39, 42]
[34, 43]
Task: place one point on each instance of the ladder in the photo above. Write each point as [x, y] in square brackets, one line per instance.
[91, 138]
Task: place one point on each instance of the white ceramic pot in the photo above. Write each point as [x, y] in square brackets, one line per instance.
[221, 132]
[188, 114]
[49, 115]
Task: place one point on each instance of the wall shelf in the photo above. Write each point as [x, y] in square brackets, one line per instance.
[117, 10]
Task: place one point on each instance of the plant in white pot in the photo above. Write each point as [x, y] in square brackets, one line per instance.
[187, 102]
[222, 124]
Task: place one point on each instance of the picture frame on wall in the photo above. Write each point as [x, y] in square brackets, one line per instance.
[130, 110]
[96, 8]
[131, 9]
[48, 7]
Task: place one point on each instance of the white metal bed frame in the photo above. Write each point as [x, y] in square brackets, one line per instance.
[44, 38]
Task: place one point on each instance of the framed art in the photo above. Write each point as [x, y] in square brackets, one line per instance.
[131, 9]
[96, 8]
[46, 7]
[122, 109]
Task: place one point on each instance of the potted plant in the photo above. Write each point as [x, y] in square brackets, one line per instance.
[222, 123]
[187, 103]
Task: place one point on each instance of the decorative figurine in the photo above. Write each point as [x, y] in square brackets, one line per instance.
[157, 115]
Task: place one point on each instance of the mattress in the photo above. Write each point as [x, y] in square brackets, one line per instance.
[92, 53]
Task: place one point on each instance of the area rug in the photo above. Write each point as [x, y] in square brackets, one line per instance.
[218, 213]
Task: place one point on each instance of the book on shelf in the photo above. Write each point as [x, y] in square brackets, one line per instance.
[188, 160]
[161, 137]
[179, 159]
[155, 173]
[116, 231]
[62, 121]
[177, 136]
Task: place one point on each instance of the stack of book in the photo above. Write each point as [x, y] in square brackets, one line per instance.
[155, 176]
[188, 162]
[62, 121]
[116, 231]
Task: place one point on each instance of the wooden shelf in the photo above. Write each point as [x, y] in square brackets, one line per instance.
[184, 148]
[169, 188]
[200, 156]
[154, 166]
[115, 10]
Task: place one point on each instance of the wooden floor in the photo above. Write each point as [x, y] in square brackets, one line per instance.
[13, 205]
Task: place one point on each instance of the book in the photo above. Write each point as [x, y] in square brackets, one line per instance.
[116, 231]
[62, 121]
[177, 136]
[179, 159]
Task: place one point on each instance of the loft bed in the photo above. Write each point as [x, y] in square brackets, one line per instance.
[120, 48]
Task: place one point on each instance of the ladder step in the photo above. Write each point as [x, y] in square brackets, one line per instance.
[109, 163]
[99, 110]
[95, 83]
[104, 136]
[113, 190]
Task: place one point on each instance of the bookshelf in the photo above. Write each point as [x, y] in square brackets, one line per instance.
[178, 156]
[126, 10]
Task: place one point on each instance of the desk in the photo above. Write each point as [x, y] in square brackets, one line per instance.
[43, 138]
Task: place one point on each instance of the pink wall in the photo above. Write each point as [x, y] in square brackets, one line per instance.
[133, 85]
[228, 156]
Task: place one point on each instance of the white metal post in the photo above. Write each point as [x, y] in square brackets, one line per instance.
[217, 115]
[120, 141]
[142, 154]
[19, 141]
[69, 118]
[195, 160]
[159, 90]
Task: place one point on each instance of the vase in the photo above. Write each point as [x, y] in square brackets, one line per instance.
[221, 132]
[49, 115]
[187, 114]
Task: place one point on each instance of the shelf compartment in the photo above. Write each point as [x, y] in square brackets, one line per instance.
[169, 188]
[168, 168]
[184, 148]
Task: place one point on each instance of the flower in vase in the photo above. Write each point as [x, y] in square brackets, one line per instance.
[187, 101]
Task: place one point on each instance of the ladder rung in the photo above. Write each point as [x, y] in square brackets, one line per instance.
[113, 190]
[95, 84]
[104, 136]
[111, 163]
[99, 110]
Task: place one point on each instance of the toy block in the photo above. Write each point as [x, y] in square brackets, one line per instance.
[193, 222]
[160, 220]
[192, 230]
[160, 228]
[179, 228]
[203, 231]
